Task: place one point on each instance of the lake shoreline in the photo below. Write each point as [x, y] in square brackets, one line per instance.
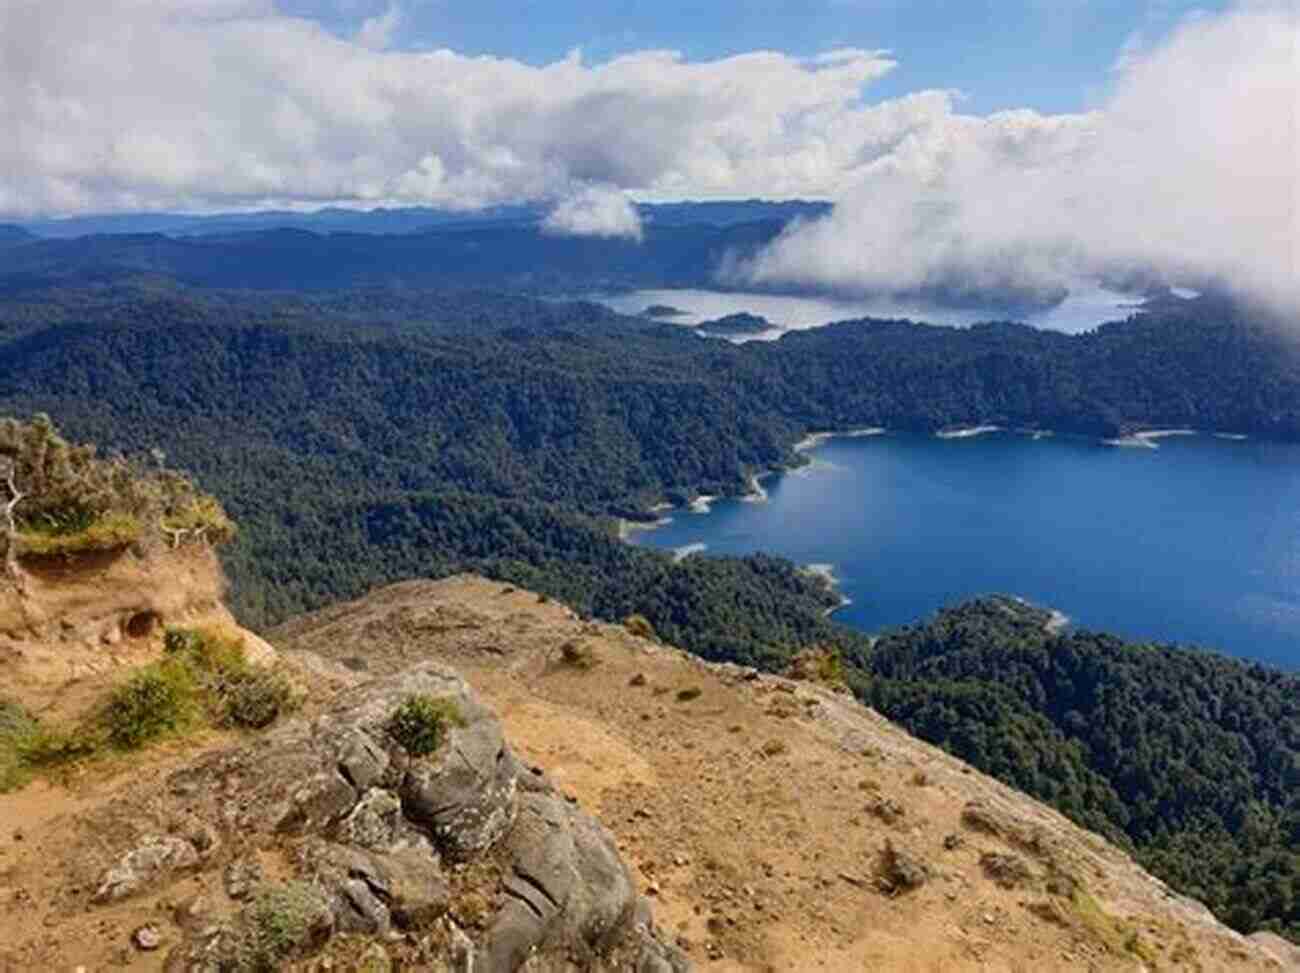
[826, 574]
[911, 483]
[702, 504]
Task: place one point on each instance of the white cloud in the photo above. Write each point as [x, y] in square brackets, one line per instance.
[600, 211]
[1192, 167]
[124, 104]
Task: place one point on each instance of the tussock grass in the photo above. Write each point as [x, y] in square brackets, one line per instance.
[202, 681]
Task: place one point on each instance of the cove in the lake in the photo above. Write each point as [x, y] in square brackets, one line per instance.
[1194, 541]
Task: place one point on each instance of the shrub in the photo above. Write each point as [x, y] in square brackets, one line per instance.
[236, 692]
[420, 723]
[900, 871]
[156, 700]
[819, 665]
[686, 695]
[16, 725]
[25, 745]
[74, 500]
[212, 652]
[45, 747]
[181, 639]
[257, 698]
[577, 654]
[280, 922]
[640, 626]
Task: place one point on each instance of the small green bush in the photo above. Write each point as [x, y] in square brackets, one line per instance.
[45, 747]
[257, 699]
[421, 722]
[281, 921]
[158, 699]
[818, 664]
[177, 640]
[14, 719]
[16, 726]
[234, 692]
[577, 655]
[215, 652]
[640, 626]
[25, 745]
[688, 694]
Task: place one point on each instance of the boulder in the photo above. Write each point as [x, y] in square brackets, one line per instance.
[565, 883]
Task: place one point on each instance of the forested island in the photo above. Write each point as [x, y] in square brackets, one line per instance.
[373, 434]
[741, 323]
[662, 311]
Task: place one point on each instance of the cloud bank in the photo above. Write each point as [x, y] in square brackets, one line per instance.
[1190, 166]
[202, 104]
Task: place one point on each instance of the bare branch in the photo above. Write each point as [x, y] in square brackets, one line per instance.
[9, 472]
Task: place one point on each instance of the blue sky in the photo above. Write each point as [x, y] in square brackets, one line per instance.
[1052, 55]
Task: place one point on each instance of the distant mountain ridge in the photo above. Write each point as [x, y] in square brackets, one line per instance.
[696, 246]
[412, 219]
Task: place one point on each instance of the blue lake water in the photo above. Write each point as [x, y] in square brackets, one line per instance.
[1194, 542]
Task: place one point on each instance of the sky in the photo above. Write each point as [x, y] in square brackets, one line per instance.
[969, 142]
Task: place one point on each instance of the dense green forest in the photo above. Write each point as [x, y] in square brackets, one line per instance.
[372, 434]
[1191, 758]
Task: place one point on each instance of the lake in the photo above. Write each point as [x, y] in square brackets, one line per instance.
[1085, 308]
[1196, 541]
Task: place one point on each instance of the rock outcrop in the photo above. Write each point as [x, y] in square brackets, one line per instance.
[463, 852]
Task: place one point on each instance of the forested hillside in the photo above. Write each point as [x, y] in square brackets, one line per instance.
[300, 407]
[1192, 758]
